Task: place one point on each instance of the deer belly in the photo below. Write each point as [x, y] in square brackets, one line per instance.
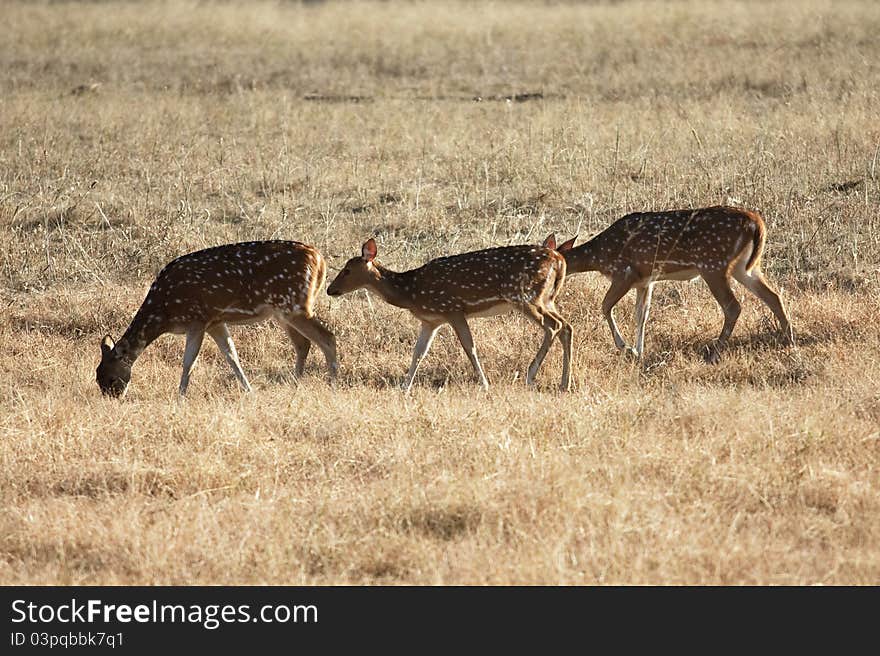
[244, 314]
[681, 274]
[490, 311]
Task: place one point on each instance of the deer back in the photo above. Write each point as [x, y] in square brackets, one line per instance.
[236, 282]
[475, 281]
[695, 239]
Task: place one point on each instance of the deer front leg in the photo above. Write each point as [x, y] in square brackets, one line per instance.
[190, 355]
[619, 287]
[463, 331]
[220, 335]
[423, 343]
[643, 307]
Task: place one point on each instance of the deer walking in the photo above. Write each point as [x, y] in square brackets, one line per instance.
[477, 284]
[202, 292]
[716, 243]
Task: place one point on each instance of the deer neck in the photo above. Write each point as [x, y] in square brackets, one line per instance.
[583, 258]
[393, 287]
[140, 333]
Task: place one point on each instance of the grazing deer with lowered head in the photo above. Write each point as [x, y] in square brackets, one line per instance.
[477, 284]
[715, 243]
[204, 291]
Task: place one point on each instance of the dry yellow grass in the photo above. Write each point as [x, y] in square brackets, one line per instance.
[133, 132]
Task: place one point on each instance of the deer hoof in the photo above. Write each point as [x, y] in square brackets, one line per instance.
[712, 353]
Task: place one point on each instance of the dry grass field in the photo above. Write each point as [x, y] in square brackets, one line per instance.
[132, 132]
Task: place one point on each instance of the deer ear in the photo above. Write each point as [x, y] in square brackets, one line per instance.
[550, 242]
[107, 345]
[567, 245]
[369, 250]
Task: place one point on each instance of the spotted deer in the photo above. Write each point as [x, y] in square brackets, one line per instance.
[477, 284]
[714, 243]
[202, 292]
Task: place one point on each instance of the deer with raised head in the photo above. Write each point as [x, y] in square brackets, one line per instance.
[477, 284]
[202, 292]
[718, 244]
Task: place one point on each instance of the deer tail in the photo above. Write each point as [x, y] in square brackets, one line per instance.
[757, 242]
[560, 276]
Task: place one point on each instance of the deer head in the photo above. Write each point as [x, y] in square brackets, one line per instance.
[358, 272]
[113, 373]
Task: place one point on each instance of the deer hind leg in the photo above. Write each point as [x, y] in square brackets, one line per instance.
[643, 307]
[619, 288]
[301, 345]
[463, 331]
[566, 337]
[220, 335]
[423, 343]
[552, 325]
[754, 281]
[312, 329]
[190, 355]
[719, 285]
